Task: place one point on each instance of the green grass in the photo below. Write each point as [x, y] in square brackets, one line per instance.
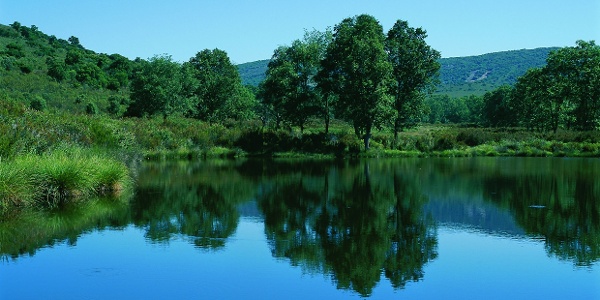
[64, 175]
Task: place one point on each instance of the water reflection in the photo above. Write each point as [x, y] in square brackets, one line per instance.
[28, 231]
[351, 222]
[196, 202]
[559, 203]
[357, 222]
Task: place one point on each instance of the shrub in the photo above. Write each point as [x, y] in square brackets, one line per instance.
[38, 103]
[445, 141]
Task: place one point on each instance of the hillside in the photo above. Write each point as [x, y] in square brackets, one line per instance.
[57, 74]
[253, 73]
[459, 76]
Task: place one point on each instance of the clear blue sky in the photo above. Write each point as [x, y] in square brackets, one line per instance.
[251, 30]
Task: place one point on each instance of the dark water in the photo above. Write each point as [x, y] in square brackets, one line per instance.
[484, 228]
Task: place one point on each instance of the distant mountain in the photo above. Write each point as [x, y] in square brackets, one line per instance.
[459, 76]
[253, 73]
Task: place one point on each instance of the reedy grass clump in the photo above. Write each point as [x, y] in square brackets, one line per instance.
[65, 174]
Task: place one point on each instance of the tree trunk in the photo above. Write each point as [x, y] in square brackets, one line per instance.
[367, 137]
[327, 115]
[396, 126]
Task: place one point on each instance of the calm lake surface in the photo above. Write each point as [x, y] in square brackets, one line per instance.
[468, 228]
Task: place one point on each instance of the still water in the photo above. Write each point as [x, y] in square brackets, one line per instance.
[472, 228]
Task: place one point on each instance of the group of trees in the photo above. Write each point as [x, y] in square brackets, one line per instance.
[563, 94]
[356, 73]
[207, 87]
[30, 49]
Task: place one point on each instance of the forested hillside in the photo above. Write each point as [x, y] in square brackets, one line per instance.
[459, 76]
[52, 73]
[253, 73]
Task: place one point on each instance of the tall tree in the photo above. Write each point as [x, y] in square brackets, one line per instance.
[290, 87]
[159, 87]
[415, 66]
[357, 71]
[220, 93]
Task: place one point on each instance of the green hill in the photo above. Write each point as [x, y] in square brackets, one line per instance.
[459, 76]
[253, 73]
[50, 73]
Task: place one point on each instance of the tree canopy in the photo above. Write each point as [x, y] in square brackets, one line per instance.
[357, 70]
[415, 66]
[290, 87]
[219, 94]
[160, 87]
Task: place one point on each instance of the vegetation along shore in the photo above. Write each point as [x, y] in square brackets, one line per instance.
[73, 122]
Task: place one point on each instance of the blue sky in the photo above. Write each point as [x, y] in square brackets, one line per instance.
[251, 30]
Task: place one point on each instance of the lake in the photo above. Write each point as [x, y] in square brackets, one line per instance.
[461, 228]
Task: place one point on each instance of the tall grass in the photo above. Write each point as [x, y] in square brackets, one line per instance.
[66, 174]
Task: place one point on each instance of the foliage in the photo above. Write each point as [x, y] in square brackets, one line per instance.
[415, 64]
[290, 89]
[443, 109]
[459, 76]
[64, 174]
[159, 88]
[253, 73]
[565, 93]
[219, 94]
[356, 69]
[497, 109]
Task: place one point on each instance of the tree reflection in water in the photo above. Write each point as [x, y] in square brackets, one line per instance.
[198, 202]
[351, 222]
[559, 203]
[354, 221]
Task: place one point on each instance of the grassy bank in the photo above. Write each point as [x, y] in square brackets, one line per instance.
[66, 174]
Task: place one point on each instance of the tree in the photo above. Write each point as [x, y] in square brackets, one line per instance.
[220, 93]
[564, 93]
[497, 109]
[575, 72]
[357, 71]
[290, 87]
[533, 105]
[159, 87]
[415, 64]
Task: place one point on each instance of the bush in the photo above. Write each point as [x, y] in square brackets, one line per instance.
[38, 103]
[445, 141]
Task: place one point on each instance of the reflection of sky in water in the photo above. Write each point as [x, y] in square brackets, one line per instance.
[124, 265]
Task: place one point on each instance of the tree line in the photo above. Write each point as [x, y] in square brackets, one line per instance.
[355, 73]
[565, 93]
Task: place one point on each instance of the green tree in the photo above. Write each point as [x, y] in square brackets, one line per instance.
[290, 87]
[497, 109]
[56, 68]
[575, 73]
[475, 106]
[159, 87]
[220, 93]
[357, 71]
[564, 93]
[533, 105]
[415, 66]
